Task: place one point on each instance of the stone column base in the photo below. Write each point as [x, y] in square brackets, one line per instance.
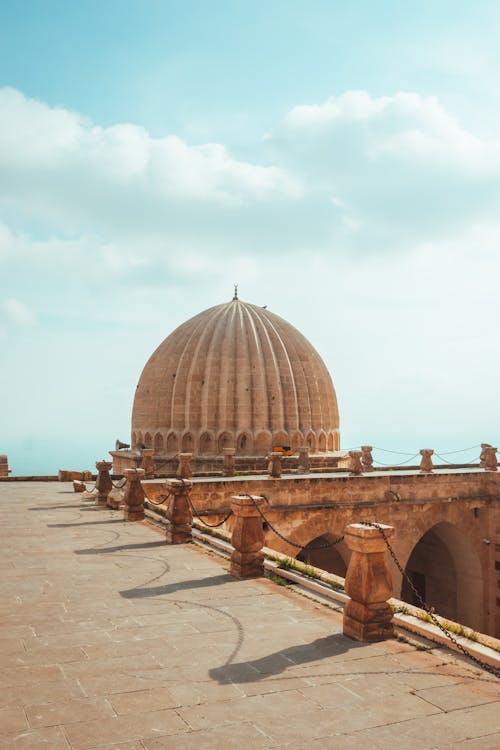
[133, 513]
[368, 623]
[178, 533]
[247, 564]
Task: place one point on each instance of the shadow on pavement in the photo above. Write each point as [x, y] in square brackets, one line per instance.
[171, 588]
[280, 661]
[120, 548]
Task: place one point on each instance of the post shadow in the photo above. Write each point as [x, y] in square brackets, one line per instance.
[171, 588]
[119, 548]
[278, 662]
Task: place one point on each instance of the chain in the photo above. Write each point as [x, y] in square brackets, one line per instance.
[468, 463]
[163, 499]
[402, 463]
[200, 515]
[87, 489]
[424, 605]
[120, 484]
[288, 541]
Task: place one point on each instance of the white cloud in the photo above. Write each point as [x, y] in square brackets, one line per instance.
[16, 312]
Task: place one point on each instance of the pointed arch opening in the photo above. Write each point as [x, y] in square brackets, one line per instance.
[172, 443]
[207, 444]
[158, 444]
[333, 559]
[445, 570]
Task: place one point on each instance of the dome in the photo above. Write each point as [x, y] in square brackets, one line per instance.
[235, 376]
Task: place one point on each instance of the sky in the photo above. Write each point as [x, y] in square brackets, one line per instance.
[339, 161]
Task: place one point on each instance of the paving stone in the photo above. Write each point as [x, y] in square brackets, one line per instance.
[52, 738]
[12, 719]
[114, 643]
[127, 727]
[69, 712]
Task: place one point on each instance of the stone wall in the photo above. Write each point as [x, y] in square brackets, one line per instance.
[459, 509]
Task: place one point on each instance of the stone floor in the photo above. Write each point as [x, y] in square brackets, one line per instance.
[111, 639]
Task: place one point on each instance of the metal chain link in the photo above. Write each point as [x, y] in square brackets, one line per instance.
[200, 516]
[426, 607]
[87, 489]
[402, 463]
[467, 463]
[117, 485]
[163, 498]
[288, 541]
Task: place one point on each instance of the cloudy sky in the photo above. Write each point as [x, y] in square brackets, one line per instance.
[340, 161]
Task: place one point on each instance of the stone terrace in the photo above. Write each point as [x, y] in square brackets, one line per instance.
[111, 639]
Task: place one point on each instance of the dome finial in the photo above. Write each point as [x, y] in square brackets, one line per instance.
[235, 292]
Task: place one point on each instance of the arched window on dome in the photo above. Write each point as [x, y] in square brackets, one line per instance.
[296, 441]
[134, 441]
[140, 443]
[225, 441]
[311, 441]
[148, 440]
[244, 446]
[206, 443]
[172, 443]
[322, 442]
[263, 442]
[187, 443]
[281, 440]
[330, 442]
[158, 443]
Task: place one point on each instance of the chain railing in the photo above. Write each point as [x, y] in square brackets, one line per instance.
[307, 547]
[200, 516]
[425, 606]
[163, 499]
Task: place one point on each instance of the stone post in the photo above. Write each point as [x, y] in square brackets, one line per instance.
[179, 511]
[304, 462]
[274, 466]
[355, 463]
[133, 499]
[367, 615]
[4, 466]
[148, 463]
[366, 457]
[103, 482]
[490, 459]
[482, 457]
[228, 468]
[426, 465]
[184, 466]
[247, 559]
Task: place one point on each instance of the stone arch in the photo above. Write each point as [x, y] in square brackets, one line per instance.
[187, 444]
[280, 439]
[148, 440]
[445, 569]
[296, 440]
[311, 440]
[140, 443]
[158, 444]
[172, 443]
[333, 559]
[244, 444]
[263, 442]
[225, 441]
[207, 443]
[322, 442]
[134, 440]
[331, 442]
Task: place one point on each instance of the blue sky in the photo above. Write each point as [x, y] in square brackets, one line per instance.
[341, 161]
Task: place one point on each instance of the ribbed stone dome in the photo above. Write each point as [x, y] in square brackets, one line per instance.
[239, 376]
